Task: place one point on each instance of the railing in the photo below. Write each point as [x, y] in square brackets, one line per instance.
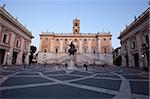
[82, 58]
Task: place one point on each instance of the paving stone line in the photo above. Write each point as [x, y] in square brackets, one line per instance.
[108, 91]
[138, 96]
[26, 86]
[138, 80]
[68, 71]
[107, 78]
[76, 75]
[84, 77]
[81, 86]
[26, 76]
[8, 76]
[125, 90]
[49, 78]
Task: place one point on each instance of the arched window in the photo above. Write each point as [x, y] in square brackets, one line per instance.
[76, 24]
[133, 44]
[45, 50]
[94, 51]
[56, 50]
[57, 40]
[105, 50]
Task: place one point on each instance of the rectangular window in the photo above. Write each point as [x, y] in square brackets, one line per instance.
[18, 43]
[147, 39]
[4, 38]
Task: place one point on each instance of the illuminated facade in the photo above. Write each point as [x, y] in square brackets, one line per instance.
[91, 47]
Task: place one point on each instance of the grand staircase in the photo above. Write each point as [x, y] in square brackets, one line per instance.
[81, 59]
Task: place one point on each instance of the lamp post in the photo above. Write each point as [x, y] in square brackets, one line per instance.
[142, 55]
[6, 59]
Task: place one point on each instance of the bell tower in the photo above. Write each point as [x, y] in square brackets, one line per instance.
[76, 26]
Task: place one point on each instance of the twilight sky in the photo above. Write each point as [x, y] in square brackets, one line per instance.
[57, 15]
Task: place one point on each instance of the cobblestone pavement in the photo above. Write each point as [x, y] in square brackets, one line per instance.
[55, 82]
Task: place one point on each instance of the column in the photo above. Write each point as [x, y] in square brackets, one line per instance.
[19, 59]
[139, 46]
[12, 44]
[27, 56]
[5, 57]
[130, 57]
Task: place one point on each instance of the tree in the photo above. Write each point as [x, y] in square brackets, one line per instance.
[32, 51]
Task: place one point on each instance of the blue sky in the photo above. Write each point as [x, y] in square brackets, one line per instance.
[57, 15]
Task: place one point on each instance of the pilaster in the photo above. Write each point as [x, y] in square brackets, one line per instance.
[80, 46]
[99, 45]
[89, 46]
[61, 46]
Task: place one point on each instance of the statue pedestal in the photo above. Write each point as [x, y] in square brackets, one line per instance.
[71, 63]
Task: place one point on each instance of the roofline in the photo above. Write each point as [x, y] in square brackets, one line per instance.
[134, 22]
[7, 15]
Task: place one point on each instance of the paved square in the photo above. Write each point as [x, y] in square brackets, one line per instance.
[109, 76]
[54, 72]
[54, 91]
[140, 87]
[45, 82]
[81, 73]
[64, 77]
[134, 77]
[24, 80]
[27, 73]
[101, 83]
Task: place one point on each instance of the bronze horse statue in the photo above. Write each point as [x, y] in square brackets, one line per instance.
[72, 49]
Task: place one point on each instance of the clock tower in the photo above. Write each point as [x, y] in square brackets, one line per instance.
[76, 26]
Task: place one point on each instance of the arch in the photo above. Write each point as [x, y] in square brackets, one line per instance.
[105, 50]
[56, 50]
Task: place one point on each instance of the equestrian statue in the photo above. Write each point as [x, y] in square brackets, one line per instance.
[72, 49]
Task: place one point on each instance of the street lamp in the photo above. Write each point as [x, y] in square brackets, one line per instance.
[142, 55]
[6, 59]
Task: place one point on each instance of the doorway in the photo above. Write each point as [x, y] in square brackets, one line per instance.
[136, 59]
[14, 60]
[2, 55]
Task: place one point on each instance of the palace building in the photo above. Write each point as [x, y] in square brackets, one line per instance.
[92, 48]
[135, 42]
[15, 40]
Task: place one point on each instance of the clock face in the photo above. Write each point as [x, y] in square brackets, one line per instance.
[76, 27]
